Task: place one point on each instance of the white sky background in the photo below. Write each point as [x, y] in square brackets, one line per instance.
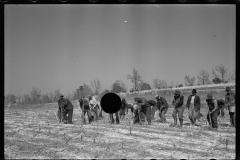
[63, 46]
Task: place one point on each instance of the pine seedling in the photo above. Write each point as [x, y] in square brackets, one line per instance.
[227, 144]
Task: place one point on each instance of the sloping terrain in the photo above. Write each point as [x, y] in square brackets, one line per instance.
[33, 132]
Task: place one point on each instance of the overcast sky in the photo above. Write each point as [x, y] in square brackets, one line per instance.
[63, 46]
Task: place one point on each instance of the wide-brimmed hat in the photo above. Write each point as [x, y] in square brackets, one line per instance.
[177, 93]
[228, 89]
[194, 91]
[209, 96]
[157, 96]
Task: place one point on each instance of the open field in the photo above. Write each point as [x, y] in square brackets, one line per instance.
[33, 132]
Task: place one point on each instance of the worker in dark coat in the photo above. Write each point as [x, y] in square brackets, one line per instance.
[153, 105]
[60, 109]
[193, 106]
[80, 102]
[230, 104]
[145, 108]
[178, 108]
[123, 108]
[213, 112]
[162, 106]
[67, 110]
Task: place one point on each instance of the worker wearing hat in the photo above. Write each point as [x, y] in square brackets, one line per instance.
[144, 109]
[65, 111]
[213, 111]
[60, 109]
[123, 108]
[193, 106]
[162, 106]
[95, 107]
[136, 110]
[178, 108]
[85, 107]
[230, 103]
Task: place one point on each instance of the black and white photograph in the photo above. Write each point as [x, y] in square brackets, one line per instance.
[170, 67]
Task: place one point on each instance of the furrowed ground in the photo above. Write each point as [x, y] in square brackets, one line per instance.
[33, 132]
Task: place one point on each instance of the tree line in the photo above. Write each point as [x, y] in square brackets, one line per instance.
[220, 75]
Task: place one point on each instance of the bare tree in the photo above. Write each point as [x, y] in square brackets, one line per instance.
[124, 88]
[86, 90]
[42, 98]
[118, 87]
[176, 84]
[27, 99]
[222, 70]
[163, 84]
[35, 95]
[231, 77]
[189, 81]
[136, 79]
[96, 86]
[56, 94]
[51, 97]
[83, 91]
[203, 77]
[10, 98]
[45, 98]
[158, 84]
[221, 73]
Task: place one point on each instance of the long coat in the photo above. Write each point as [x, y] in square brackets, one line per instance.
[197, 102]
[67, 104]
[143, 103]
[178, 101]
[162, 103]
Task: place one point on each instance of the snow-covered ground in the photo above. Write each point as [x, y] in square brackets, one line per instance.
[35, 133]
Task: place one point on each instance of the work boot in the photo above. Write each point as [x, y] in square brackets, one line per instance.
[194, 122]
[175, 122]
[181, 123]
[173, 125]
[214, 129]
[191, 123]
[164, 120]
[65, 121]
